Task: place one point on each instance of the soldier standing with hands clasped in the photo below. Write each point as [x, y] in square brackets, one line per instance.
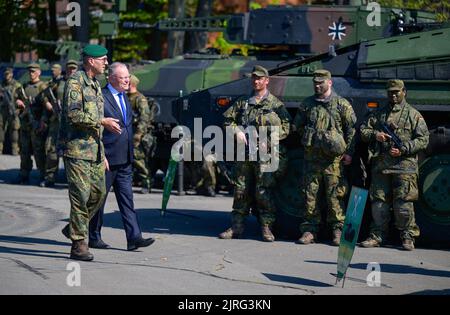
[326, 124]
[395, 134]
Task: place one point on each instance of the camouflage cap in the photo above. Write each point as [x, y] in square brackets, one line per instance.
[95, 51]
[395, 85]
[321, 75]
[71, 64]
[56, 66]
[34, 66]
[134, 80]
[9, 70]
[260, 71]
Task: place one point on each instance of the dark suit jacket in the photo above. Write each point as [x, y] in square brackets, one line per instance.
[118, 148]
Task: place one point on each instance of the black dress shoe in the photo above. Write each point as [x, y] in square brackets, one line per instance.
[140, 242]
[99, 244]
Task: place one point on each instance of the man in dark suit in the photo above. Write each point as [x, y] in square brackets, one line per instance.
[119, 156]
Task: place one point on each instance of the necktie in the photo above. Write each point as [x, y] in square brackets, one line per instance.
[123, 107]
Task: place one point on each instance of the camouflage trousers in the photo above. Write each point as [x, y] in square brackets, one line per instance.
[141, 172]
[253, 190]
[203, 174]
[9, 131]
[87, 191]
[31, 144]
[329, 180]
[398, 191]
[208, 175]
[143, 155]
[52, 160]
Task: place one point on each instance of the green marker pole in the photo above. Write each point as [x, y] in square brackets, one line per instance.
[352, 224]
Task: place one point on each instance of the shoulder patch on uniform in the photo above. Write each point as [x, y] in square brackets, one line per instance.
[73, 95]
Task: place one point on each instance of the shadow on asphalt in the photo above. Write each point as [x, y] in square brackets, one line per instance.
[432, 292]
[22, 240]
[395, 269]
[184, 222]
[297, 281]
[11, 176]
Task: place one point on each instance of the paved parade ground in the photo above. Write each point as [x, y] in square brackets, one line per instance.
[187, 257]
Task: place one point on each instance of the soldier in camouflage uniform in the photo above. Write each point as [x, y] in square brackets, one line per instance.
[9, 119]
[394, 169]
[53, 97]
[56, 73]
[253, 185]
[32, 131]
[143, 141]
[326, 124]
[82, 123]
[207, 179]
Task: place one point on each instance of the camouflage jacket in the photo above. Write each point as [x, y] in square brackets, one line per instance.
[82, 112]
[8, 90]
[32, 114]
[52, 118]
[270, 111]
[411, 129]
[314, 115]
[142, 115]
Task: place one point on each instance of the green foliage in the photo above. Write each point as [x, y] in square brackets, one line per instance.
[441, 8]
[132, 45]
[14, 31]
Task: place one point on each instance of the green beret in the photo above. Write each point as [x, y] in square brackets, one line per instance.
[260, 71]
[9, 70]
[71, 64]
[395, 85]
[34, 66]
[95, 51]
[321, 75]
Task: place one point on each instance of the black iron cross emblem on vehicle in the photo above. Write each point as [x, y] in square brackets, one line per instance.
[337, 30]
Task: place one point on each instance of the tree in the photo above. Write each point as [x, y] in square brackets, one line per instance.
[176, 39]
[441, 8]
[14, 30]
[198, 40]
[137, 44]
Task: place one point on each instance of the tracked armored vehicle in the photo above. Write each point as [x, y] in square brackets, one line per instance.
[276, 34]
[360, 72]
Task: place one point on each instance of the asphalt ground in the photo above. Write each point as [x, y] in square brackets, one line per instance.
[187, 258]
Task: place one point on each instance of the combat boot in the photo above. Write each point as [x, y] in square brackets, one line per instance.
[80, 251]
[15, 149]
[307, 238]
[233, 232]
[210, 192]
[23, 180]
[370, 242]
[337, 233]
[267, 234]
[408, 244]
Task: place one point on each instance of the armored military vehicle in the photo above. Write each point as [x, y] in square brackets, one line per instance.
[276, 34]
[360, 72]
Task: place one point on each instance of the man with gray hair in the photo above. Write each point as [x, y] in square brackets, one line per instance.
[119, 156]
